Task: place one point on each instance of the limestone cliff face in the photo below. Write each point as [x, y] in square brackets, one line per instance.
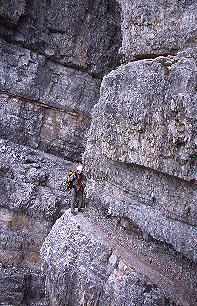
[140, 160]
[156, 27]
[49, 106]
[32, 198]
[89, 262]
[53, 55]
[135, 244]
[146, 116]
[145, 121]
[83, 34]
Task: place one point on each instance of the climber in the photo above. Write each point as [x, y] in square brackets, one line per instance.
[78, 184]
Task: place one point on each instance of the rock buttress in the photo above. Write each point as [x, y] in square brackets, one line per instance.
[88, 260]
[140, 161]
[53, 56]
[141, 150]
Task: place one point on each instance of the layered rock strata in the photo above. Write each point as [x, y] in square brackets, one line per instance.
[141, 151]
[32, 198]
[43, 104]
[92, 261]
[82, 34]
[139, 230]
[137, 244]
[153, 28]
[53, 55]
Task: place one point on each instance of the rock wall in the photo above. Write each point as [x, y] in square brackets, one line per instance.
[145, 121]
[82, 34]
[23, 287]
[53, 55]
[156, 27]
[32, 198]
[84, 268]
[40, 127]
[136, 243]
[146, 115]
[49, 104]
[91, 260]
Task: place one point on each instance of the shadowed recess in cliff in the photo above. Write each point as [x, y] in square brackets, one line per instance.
[80, 34]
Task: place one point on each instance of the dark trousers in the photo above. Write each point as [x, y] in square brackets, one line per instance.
[78, 199]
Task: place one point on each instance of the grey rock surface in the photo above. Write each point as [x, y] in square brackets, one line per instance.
[141, 149]
[32, 198]
[82, 34]
[11, 11]
[137, 244]
[35, 125]
[21, 239]
[31, 181]
[134, 185]
[152, 28]
[33, 76]
[157, 204]
[81, 269]
[128, 209]
[44, 104]
[23, 287]
[146, 115]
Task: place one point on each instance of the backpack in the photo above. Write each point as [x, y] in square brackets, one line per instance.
[71, 176]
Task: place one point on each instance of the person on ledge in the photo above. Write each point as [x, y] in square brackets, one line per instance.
[77, 181]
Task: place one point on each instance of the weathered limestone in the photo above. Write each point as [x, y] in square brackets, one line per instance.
[82, 34]
[140, 158]
[23, 287]
[141, 150]
[52, 57]
[21, 239]
[31, 182]
[31, 199]
[152, 28]
[48, 129]
[11, 11]
[43, 104]
[90, 261]
[147, 115]
[82, 269]
[29, 75]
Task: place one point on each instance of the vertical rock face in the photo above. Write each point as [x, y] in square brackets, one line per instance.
[23, 287]
[33, 76]
[53, 56]
[140, 159]
[32, 198]
[152, 28]
[136, 243]
[147, 118]
[11, 11]
[43, 104]
[84, 34]
[38, 126]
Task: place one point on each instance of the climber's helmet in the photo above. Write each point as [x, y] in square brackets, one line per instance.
[79, 168]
